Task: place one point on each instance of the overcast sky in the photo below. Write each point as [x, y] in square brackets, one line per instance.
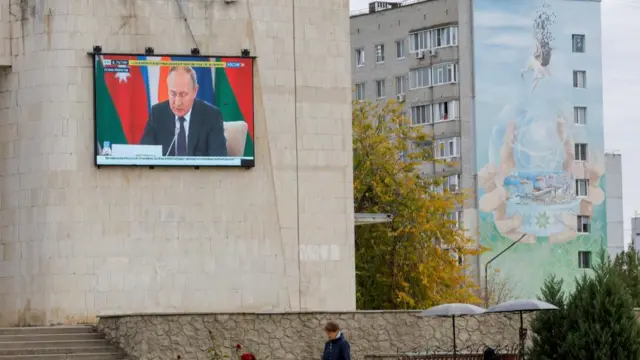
[621, 53]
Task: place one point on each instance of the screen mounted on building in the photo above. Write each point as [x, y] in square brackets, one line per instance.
[173, 110]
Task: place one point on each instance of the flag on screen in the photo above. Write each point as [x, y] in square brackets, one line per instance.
[108, 127]
[155, 79]
[128, 93]
[205, 79]
[233, 97]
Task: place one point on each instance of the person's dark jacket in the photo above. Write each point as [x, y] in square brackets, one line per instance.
[490, 354]
[206, 130]
[337, 349]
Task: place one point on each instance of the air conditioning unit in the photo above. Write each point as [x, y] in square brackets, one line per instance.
[420, 54]
[400, 97]
[433, 52]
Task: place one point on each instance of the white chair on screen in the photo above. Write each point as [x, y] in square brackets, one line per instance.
[236, 134]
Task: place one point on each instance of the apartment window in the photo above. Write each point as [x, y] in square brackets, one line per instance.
[418, 41]
[444, 74]
[360, 92]
[580, 79]
[401, 85]
[452, 182]
[582, 186]
[584, 259]
[433, 39]
[359, 57]
[578, 43]
[584, 224]
[447, 148]
[380, 89]
[444, 111]
[421, 115]
[444, 37]
[580, 115]
[581, 151]
[456, 217]
[380, 53]
[419, 78]
[400, 49]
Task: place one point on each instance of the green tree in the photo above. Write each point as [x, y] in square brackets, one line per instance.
[413, 262]
[600, 318]
[548, 327]
[628, 264]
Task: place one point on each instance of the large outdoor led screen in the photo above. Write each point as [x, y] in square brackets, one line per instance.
[173, 110]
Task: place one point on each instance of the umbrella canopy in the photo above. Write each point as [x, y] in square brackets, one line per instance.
[449, 310]
[521, 306]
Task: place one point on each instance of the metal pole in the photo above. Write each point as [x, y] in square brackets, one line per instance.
[486, 270]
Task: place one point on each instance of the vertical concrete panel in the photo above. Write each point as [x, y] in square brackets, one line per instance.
[79, 241]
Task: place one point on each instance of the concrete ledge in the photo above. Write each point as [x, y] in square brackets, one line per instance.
[315, 312]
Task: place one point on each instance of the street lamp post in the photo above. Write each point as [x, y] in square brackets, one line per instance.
[486, 270]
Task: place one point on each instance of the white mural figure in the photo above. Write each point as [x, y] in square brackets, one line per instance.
[539, 61]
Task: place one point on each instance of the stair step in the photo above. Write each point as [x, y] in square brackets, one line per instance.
[47, 330]
[79, 356]
[53, 344]
[59, 350]
[51, 337]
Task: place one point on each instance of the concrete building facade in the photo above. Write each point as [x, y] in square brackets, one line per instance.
[77, 241]
[635, 231]
[395, 68]
[615, 218]
[479, 76]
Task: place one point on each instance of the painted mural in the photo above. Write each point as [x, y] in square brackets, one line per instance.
[527, 134]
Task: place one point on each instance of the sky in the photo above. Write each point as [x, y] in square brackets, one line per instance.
[621, 84]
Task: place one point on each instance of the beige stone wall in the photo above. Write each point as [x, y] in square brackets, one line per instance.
[6, 16]
[77, 241]
[300, 336]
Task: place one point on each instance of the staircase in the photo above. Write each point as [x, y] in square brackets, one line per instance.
[56, 343]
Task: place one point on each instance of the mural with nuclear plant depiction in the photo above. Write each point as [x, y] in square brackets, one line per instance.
[539, 138]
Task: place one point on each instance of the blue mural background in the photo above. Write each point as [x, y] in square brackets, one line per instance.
[525, 136]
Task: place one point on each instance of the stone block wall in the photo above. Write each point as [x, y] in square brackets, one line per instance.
[77, 241]
[6, 15]
[299, 336]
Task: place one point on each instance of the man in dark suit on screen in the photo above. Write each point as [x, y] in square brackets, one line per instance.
[184, 125]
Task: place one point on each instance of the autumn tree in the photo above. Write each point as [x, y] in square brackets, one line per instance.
[412, 262]
[498, 288]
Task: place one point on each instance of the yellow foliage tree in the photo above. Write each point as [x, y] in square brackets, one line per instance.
[411, 263]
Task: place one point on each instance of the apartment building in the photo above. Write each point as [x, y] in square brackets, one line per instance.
[407, 55]
[512, 93]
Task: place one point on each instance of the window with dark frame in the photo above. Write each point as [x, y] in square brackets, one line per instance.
[380, 89]
[578, 43]
[359, 57]
[380, 53]
[580, 79]
[580, 152]
[400, 49]
[584, 224]
[360, 92]
[580, 115]
[584, 259]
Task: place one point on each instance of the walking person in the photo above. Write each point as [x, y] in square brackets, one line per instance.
[337, 348]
